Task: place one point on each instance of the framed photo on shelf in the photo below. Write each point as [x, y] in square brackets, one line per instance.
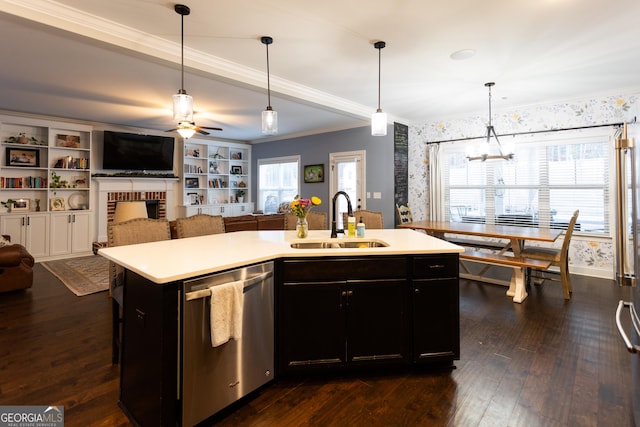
[68, 141]
[236, 155]
[21, 205]
[193, 198]
[23, 157]
[191, 183]
[236, 170]
[314, 173]
[56, 204]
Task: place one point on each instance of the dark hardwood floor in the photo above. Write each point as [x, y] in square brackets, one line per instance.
[544, 362]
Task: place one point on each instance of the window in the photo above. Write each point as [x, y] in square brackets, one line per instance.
[550, 177]
[277, 182]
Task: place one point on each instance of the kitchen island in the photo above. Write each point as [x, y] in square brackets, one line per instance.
[390, 302]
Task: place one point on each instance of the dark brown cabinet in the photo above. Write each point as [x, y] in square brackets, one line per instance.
[335, 313]
[436, 308]
[367, 311]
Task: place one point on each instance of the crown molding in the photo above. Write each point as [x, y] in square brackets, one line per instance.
[69, 19]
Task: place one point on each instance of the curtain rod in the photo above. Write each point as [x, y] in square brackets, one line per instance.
[531, 132]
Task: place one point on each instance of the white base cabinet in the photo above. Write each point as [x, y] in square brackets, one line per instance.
[70, 233]
[31, 231]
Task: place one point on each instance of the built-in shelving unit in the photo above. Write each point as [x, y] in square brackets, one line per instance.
[45, 169]
[216, 178]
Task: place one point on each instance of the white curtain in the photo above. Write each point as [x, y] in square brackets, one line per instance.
[436, 188]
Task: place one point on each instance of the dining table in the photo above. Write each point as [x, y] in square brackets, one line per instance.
[505, 241]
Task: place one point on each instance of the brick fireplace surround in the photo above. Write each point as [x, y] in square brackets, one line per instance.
[111, 190]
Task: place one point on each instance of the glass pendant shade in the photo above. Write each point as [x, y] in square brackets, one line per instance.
[379, 123]
[269, 121]
[182, 107]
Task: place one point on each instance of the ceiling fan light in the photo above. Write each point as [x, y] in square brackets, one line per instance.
[182, 107]
[269, 121]
[379, 123]
[186, 133]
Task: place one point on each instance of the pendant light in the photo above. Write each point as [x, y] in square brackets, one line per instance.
[484, 155]
[379, 119]
[269, 116]
[182, 102]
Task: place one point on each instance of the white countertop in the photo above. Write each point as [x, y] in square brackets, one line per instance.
[177, 259]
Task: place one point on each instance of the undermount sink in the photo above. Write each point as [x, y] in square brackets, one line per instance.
[339, 244]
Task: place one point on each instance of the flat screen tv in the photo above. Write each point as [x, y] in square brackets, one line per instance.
[134, 152]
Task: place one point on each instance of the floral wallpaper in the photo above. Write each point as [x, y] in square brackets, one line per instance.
[587, 256]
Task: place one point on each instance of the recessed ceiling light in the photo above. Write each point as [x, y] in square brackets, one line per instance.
[462, 54]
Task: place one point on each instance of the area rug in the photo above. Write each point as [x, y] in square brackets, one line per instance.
[83, 276]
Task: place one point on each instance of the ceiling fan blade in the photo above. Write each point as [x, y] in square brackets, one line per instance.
[171, 130]
[210, 128]
[200, 131]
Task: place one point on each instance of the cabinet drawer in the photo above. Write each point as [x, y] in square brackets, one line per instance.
[344, 268]
[436, 266]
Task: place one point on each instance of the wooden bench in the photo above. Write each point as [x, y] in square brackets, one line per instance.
[511, 261]
[517, 288]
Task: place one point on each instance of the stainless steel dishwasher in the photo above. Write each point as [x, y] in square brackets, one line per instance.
[214, 377]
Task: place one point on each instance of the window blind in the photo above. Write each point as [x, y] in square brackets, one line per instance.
[550, 176]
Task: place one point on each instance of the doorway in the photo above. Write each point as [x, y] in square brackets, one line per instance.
[347, 173]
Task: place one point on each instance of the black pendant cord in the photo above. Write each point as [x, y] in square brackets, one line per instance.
[182, 10]
[182, 55]
[379, 74]
[379, 45]
[266, 40]
[268, 79]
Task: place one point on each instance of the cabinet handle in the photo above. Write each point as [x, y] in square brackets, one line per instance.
[416, 291]
[434, 266]
[28, 221]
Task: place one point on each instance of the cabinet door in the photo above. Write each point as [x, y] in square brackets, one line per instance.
[14, 226]
[60, 234]
[377, 331]
[436, 325]
[81, 232]
[37, 235]
[312, 328]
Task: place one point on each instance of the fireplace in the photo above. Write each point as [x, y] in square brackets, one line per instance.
[159, 193]
[156, 202]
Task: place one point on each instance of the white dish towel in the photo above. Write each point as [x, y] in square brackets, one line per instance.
[226, 312]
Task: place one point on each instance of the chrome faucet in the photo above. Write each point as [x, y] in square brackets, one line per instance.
[334, 232]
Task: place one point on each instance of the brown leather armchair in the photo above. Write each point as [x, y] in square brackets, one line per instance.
[16, 268]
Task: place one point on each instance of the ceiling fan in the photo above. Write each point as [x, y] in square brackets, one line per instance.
[191, 126]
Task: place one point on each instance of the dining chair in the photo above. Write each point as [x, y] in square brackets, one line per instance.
[199, 225]
[138, 230]
[558, 257]
[404, 214]
[372, 219]
[316, 220]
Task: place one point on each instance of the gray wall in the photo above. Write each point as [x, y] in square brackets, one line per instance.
[315, 149]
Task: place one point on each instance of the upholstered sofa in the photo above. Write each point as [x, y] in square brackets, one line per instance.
[245, 223]
[16, 267]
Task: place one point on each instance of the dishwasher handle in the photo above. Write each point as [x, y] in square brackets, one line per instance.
[247, 283]
[634, 320]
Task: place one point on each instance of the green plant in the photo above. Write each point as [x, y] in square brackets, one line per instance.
[240, 193]
[8, 204]
[16, 139]
[57, 182]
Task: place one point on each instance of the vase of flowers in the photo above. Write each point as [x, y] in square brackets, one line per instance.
[301, 208]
